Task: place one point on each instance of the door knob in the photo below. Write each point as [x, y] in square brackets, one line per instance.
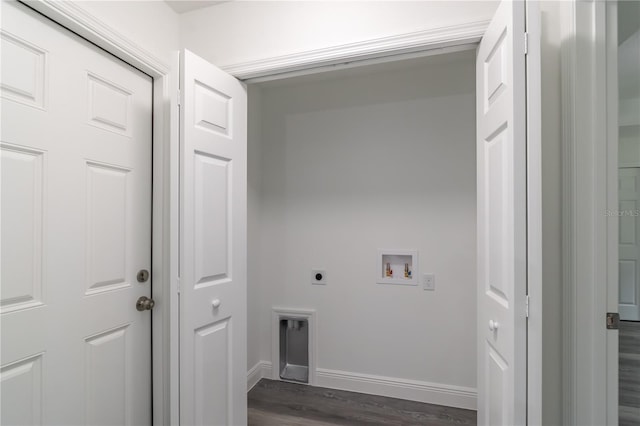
[493, 325]
[144, 304]
[216, 303]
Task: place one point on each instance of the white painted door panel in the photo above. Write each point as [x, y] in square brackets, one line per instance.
[75, 158]
[629, 244]
[213, 144]
[501, 173]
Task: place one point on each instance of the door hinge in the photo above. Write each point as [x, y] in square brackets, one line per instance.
[526, 306]
[179, 98]
[178, 286]
[526, 43]
[613, 320]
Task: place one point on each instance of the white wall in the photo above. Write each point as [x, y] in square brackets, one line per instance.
[240, 31]
[383, 160]
[152, 25]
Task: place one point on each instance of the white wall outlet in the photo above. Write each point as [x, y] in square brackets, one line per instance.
[429, 281]
[318, 277]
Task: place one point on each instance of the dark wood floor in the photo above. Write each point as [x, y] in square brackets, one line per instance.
[629, 373]
[275, 403]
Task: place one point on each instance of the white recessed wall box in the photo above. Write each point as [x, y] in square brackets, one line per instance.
[397, 267]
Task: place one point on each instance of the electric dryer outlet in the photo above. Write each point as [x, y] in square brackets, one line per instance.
[318, 277]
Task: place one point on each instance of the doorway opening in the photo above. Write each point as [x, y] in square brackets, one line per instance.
[341, 165]
[628, 73]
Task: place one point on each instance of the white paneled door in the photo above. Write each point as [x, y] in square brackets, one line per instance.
[629, 243]
[502, 198]
[213, 218]
[76, 229]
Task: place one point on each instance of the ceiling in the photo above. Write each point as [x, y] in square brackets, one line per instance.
[183, 6]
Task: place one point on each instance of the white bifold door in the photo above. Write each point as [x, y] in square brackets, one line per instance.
[502, 214]
[75, 158]
[213, 264]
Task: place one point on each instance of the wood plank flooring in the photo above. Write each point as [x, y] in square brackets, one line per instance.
[629, 373]
[275, 403]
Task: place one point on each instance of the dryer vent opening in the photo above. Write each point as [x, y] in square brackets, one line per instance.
[294, 349]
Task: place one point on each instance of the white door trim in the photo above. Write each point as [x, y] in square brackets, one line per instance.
[75, 18]
[568, 60]
[534, 213]
[588, 154]
[419, 43]
[165, 184]
[609, 67]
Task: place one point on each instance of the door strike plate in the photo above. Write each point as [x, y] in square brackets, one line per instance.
[613, 320]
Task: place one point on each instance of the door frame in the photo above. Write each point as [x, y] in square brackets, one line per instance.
[441, 41]
[590, 165]
[166, 174]
[164, 261]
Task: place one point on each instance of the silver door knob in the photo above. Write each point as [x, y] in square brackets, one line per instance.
[216, 303]
[144, 304]
[493, 325]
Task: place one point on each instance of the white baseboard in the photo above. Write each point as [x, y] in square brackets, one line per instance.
[412, 390]
[262, 369]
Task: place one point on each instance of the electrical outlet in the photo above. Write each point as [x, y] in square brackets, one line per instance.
[429, 281]
[318, 277]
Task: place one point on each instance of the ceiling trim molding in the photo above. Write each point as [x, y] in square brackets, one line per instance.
[78, 20]
[402, 44]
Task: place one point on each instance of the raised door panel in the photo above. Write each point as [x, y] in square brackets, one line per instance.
[109, 105]
[628, 291]
[107, 396]
[628, 222]
[21, 390]
[106, 227]
[24, 77]
[213, 376]
[495, 65]
[22, 172]
[212, 231]
[497, 376]
[212, 110]
[494, 192]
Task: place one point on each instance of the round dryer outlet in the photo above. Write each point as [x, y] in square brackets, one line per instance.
[318, 277]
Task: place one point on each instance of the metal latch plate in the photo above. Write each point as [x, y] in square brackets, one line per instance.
[613, 320]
